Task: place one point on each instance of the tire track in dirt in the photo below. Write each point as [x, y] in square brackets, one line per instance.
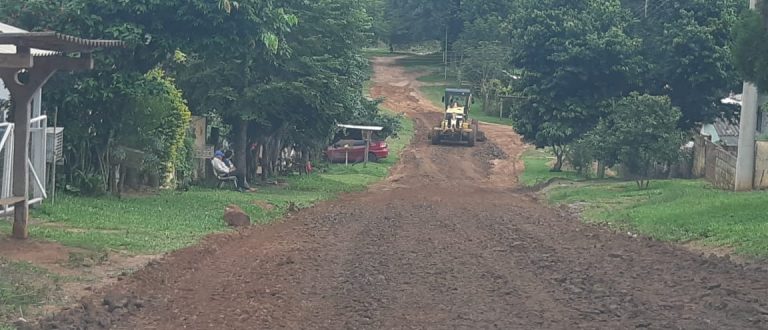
[446, 243]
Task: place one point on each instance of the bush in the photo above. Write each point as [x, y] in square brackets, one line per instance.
[580, 156]
[639, 132]
[160, 121]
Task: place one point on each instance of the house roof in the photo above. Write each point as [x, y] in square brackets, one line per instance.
[11, 49]
[725, 127]
[722, 131]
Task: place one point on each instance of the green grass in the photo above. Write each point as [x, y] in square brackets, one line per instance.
[677, 210]
[380, 52]
[172, 220]
[538, 164]
[23, 286]
[431, 66]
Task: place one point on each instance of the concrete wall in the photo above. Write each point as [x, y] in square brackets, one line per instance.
[725, 170]
[718, 165]
[714, 163]
[761, 165]
[699, 157]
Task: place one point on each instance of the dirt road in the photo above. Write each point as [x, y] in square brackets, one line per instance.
[448, 242]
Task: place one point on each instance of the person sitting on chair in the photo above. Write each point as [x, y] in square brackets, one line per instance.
[224, 168]
[228, 158]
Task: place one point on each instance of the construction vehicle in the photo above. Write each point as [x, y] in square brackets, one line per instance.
[456, 126]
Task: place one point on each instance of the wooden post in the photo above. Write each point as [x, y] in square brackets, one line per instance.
[22, 94]
[20, 168]
[367, 137]
[53, 164]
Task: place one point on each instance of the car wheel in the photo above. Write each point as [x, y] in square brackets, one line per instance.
[372, 157]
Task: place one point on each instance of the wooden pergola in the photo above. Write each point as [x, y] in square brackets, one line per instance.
[24, 74]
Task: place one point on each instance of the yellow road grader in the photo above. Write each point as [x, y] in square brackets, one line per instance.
[456, 126]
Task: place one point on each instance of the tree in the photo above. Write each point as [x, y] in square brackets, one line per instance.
[639, 132]
[750, 46]
[686, 47]
[484, 64]
[306, 92]
[423, 20]
[223, 37]
[380, 21]
[574, 55]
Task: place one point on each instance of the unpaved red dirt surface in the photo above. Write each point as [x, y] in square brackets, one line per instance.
[448, 242]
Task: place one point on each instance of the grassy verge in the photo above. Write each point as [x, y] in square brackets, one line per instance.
[172, 220]
[538, 163]
[677, 210]
[23, 286]
[671, 210]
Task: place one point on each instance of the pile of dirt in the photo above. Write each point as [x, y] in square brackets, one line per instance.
[487, 155]
[91, 314]
[490, 151]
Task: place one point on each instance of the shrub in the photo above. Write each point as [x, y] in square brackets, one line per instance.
[639, 132]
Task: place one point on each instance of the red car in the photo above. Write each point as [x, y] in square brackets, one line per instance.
[336, 152]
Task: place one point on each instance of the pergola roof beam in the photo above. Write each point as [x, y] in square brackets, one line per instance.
[56, 41]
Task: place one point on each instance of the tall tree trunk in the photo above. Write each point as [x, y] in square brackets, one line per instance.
[253, 160]
[275, 157]
[264, 162]
[240, 144]
[601, 169]
[559, 155]
[304, 159]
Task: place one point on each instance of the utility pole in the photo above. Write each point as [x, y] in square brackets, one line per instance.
[445, 53]
[646, 8]
[745, 158]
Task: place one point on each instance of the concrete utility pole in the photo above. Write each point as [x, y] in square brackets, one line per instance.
[745, 159]
[445, 53]
[646, 8]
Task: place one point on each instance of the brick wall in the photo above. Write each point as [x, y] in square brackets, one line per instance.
[714, 163]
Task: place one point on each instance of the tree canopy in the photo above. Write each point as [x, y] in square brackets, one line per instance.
[575, 58]
[575, 55]
[277, 73]
[272, 73]
[639, 132]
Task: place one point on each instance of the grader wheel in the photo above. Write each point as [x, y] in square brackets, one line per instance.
[473, 134]
[435, 138]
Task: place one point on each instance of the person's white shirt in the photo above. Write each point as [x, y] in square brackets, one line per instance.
[219, 166]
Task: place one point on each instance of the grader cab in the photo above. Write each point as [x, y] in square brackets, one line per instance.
[456, 126]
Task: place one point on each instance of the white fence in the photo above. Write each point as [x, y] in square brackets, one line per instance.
[6, 165]
[37, 161]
